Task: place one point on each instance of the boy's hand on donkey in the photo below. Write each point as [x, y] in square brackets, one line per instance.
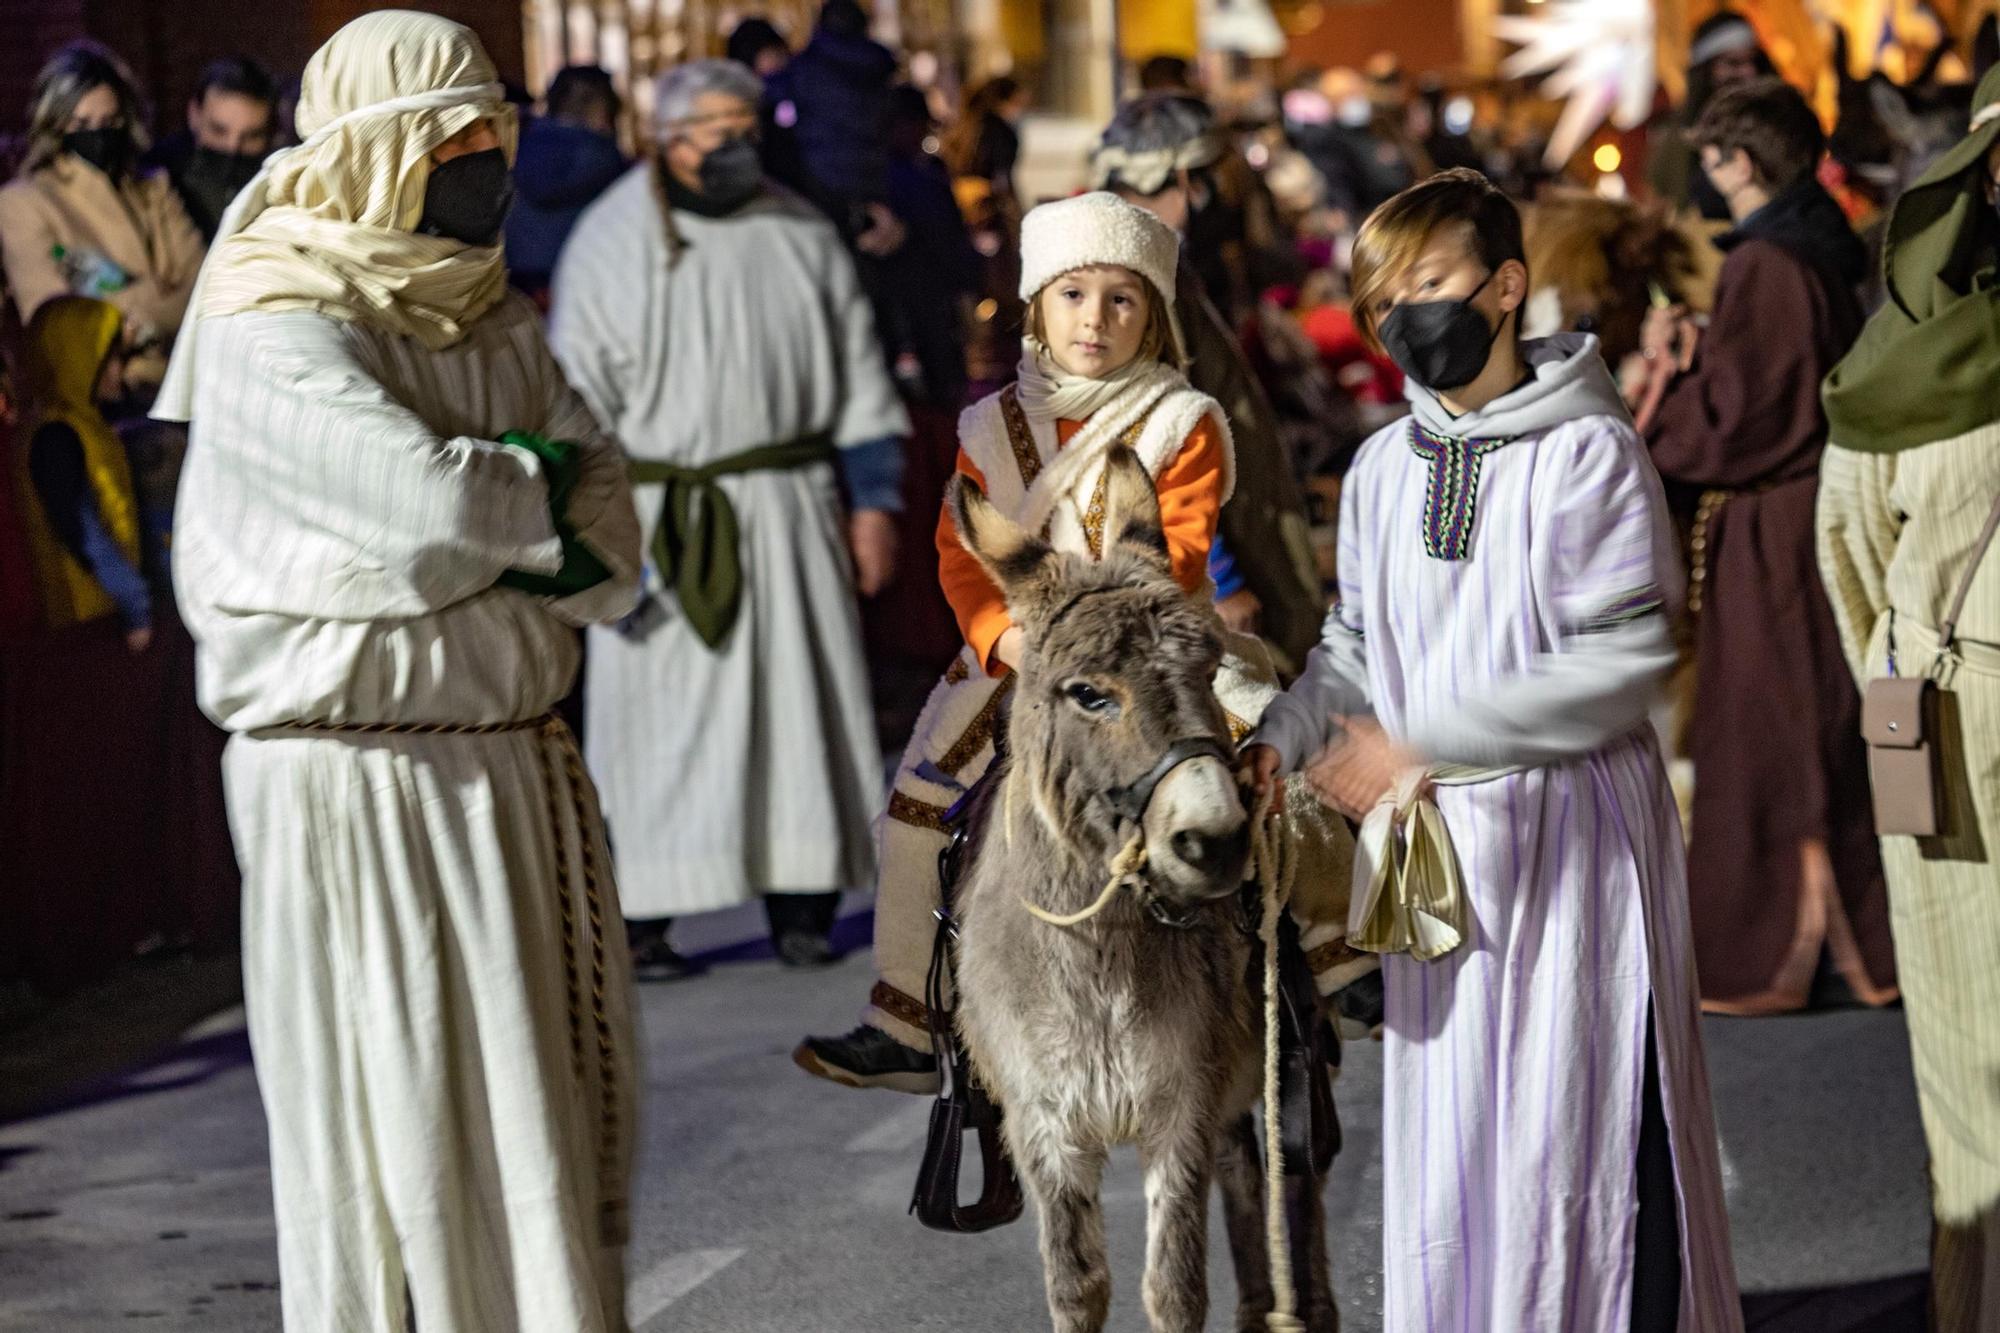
[1257, 774]
[1359, 769]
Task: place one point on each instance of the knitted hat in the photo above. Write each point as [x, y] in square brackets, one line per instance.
[1096, 228]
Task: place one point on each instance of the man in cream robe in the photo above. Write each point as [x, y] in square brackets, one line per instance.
[377, 587]
[714, 322]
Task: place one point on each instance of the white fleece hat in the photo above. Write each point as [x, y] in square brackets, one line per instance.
[1096, 228]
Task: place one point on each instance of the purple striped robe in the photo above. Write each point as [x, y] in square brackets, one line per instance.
[1474, 577]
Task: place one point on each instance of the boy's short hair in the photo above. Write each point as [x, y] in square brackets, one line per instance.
[1768, 119]
[1397, 232]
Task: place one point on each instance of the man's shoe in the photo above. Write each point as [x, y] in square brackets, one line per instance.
[653, 959]
[804, 948]
[868, 1057]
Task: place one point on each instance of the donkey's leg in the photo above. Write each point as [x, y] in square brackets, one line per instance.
[1239, 1168]
[1064, 1184]
[1305, 1213]
[1179, 1164]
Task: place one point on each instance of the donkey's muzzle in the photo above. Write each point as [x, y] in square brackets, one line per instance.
[1215, 856]
[1197, 835]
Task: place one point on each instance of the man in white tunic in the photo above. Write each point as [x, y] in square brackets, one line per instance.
[715, 324]
[393, 515]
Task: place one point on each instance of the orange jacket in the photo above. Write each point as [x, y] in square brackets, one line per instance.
[1190, 490]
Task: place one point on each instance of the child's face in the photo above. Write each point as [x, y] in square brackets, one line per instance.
[1094, 319]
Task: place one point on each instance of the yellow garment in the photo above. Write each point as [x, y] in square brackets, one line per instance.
[1411, 900]
[66, 346]
[327, 225]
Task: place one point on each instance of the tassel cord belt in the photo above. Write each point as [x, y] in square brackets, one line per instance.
[561, 765]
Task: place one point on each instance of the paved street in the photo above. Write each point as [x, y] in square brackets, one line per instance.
[770, 1203]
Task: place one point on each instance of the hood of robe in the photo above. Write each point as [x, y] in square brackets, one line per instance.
[67, 342]
[1567, 380]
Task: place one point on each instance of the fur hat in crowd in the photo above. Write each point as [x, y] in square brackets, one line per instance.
[1096, 228]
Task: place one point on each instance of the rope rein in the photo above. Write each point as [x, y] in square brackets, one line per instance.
[1275, 873]
[1126, 868]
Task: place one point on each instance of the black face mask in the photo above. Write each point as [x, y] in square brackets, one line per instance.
[1442, 345]
[468, 198]
[212, 178]
[731, 174]
[108, 149]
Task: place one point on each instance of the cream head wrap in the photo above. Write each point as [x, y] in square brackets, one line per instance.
[327, 225]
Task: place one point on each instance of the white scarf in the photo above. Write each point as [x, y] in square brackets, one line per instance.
[1048, 393]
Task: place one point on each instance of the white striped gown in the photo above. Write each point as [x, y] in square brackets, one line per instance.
[1513, 1065]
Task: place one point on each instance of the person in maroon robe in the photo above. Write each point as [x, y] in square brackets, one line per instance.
[1784, 874]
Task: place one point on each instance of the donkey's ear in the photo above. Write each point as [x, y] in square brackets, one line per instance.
[1011, 555]
[1132, 509]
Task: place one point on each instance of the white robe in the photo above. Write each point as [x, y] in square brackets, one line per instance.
[752, 768]
[442, 1039]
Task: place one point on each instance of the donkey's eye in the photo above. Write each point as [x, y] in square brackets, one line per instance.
[1090, 699]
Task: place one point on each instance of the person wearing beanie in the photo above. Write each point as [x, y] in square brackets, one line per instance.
[1723, 50]
[1100, 366]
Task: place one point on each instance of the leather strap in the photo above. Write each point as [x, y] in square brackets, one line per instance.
[1948, 629]
[1131, 802]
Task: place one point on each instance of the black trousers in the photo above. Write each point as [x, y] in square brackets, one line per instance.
[1656, 1259]
[788, 913]
[801, 913]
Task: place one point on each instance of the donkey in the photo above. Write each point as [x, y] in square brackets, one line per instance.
[1122, 1029]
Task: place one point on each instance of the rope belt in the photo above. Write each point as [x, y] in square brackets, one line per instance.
[558, 747]
[1699, 535]
[1412, 901]
[696, 543]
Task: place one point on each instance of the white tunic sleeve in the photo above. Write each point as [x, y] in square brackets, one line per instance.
[344, 503]
[1608, 574]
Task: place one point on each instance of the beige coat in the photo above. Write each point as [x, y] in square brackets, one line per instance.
[140, 226]
[1895, 533]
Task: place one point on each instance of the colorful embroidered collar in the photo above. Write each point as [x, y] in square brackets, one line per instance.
[1451, 496]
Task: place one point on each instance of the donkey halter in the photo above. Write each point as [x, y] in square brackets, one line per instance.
[1132, 800]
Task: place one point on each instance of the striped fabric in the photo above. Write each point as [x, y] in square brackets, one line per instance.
[420, 929]
[1513, 1065]
[751, 767]
[1895, 533]
[343, 515]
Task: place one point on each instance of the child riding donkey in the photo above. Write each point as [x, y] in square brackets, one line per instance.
[1100, 366]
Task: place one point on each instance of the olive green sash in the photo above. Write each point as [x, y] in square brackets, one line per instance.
[696, 543]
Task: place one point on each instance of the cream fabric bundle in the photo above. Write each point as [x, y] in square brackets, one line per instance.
[326, 225]
[1409, 898]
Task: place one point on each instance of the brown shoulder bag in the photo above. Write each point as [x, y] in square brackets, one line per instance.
[1899, 722]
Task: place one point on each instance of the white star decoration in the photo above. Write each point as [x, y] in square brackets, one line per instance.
[1601, 52]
